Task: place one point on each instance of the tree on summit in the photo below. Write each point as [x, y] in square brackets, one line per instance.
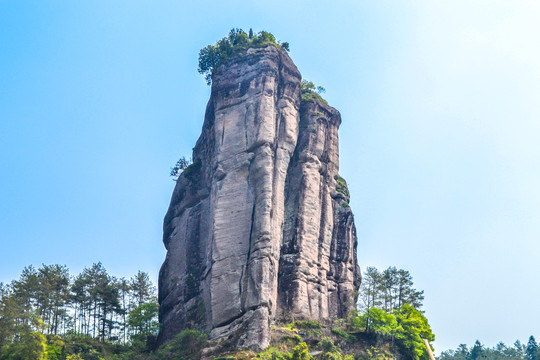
[236, 43]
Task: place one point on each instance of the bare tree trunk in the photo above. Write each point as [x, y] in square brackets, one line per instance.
[428, 348]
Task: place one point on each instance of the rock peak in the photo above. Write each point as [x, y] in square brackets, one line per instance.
[259, 227]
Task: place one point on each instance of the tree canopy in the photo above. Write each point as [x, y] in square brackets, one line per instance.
[236, 43]
[389, 289]
[47, 312]
[311, 92]
[478, 351]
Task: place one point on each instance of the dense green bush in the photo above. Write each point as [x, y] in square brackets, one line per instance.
[308, 324]
[238, 41]
[179, 167]
[301, 352]
[311, 92]
[186, 345]
[31, 345]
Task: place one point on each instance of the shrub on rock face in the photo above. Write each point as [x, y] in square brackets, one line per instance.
[179, 167]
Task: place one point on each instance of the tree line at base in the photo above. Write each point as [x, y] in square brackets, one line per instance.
[518, 351]
[49, 314]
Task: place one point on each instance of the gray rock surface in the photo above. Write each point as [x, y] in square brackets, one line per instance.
[259, 225]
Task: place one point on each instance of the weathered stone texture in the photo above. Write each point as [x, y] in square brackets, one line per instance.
[256, 227]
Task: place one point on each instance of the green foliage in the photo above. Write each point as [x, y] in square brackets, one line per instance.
[32, 345]
[308, 324]
[290, 327]
[388, 290]
[55, 348]
[499, 352]
[344, 192]
[347, 337]
[300, 352]
[186, 345]
[378, 321]
[142, 289]
[532, 349]
[143, 322]
[179, 167]
[84, 315]
[242, 355]
[264, 37]
[236, 44]
[74, 357]
[477, 351]
[330, 356]
[310, 328]
[185, 167]
[273, 353]
[196, 313]
[310, 92]
[341, 187]
[295, 338]
[84, 346]
[405, 325]
[412, 328]
[386, 311]
[193, 169]
[326, 344]
[101, 312]
[375, 353]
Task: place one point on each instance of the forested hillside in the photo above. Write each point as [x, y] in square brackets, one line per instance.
[48, 313]
[518, 351]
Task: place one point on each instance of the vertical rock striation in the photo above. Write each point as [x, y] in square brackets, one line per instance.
[259, 225]
[318, 269]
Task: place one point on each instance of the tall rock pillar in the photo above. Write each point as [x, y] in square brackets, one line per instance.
[258, 205]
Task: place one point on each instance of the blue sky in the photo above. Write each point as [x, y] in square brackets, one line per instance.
[440, 139]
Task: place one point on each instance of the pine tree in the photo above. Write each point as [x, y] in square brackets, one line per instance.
[532, 349]
[477, 351]
[142, 288]
[52, 295]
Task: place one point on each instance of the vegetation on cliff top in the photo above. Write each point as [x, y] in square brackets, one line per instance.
[238, 41]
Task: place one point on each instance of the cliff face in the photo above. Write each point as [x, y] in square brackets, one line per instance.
[259, 225]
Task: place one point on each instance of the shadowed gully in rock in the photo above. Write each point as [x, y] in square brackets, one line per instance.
[259, 227]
